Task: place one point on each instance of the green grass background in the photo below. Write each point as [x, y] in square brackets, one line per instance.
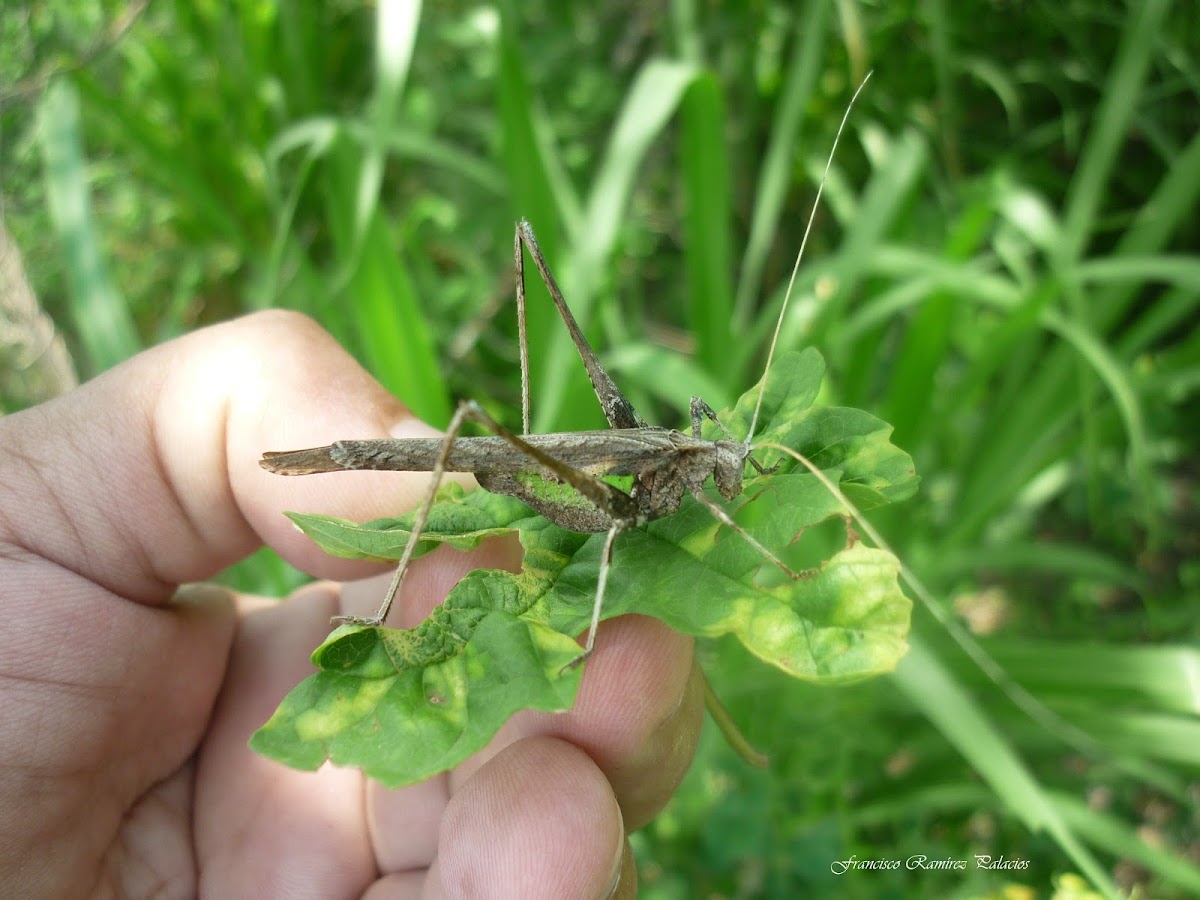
[1004, 266]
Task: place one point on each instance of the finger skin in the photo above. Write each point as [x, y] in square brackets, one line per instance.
[152, 472]
[248, 808]
[312, 826]
[261, 829]
[638, 715]
[539, 820]
[101, 700]
[111, 496]
[146, 478]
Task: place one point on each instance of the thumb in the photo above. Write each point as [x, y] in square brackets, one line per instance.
[148, 476]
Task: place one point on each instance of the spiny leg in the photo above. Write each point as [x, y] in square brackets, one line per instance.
[617, 408]
[522, 324]
[614, 503]
[611, 501]
[461, 414]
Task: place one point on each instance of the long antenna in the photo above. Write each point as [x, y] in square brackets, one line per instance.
[799, 256]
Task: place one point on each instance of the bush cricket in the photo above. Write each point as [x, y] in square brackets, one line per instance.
[664, 463]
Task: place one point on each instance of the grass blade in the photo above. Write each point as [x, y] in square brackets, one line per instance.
[102, 321]
[966, 725]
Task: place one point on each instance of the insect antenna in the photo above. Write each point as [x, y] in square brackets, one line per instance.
[796, 267]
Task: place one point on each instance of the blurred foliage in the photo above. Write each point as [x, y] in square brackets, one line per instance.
[1004, 267]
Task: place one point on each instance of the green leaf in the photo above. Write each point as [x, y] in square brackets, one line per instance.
[406, 704]
[458, 518]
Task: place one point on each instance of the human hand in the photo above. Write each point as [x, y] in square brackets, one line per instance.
[127, 705]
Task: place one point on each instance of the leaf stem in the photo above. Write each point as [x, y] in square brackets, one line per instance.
[733, 735]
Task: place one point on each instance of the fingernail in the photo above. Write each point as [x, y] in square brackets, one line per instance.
[618, 863]
[202, 594]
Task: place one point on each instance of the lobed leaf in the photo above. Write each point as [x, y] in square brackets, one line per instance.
[406, 704]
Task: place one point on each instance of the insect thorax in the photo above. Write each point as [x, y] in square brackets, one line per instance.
[660, 484]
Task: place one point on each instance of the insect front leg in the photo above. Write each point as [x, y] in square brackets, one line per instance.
[701, 411]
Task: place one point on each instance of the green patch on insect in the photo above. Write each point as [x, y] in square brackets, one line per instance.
[561, 494]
